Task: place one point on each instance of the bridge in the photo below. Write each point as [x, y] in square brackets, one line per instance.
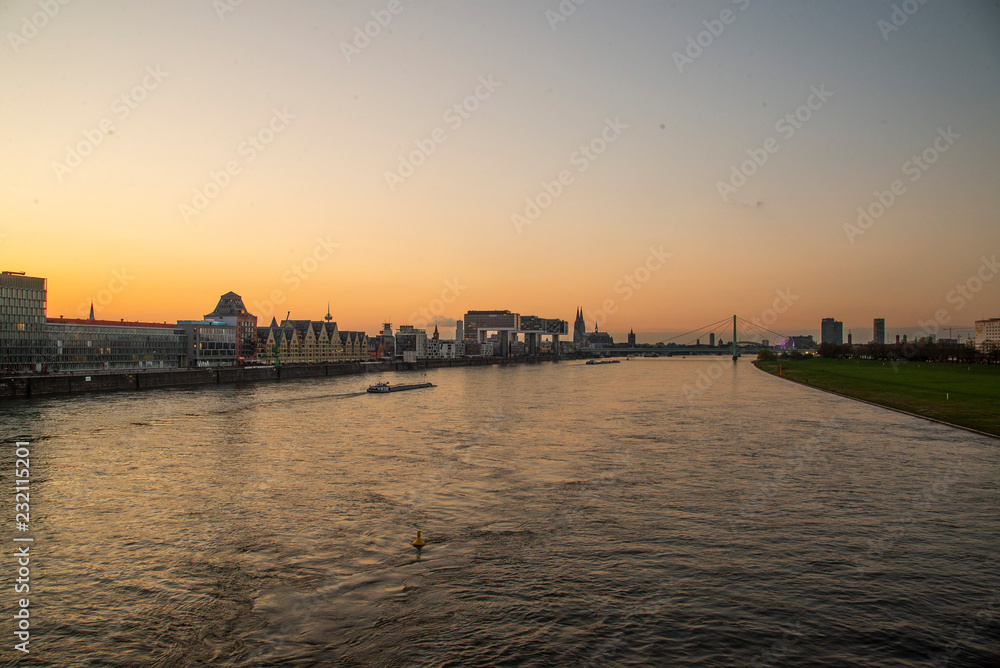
[690, 343]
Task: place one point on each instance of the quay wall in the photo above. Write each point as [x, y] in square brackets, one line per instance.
[34, 385]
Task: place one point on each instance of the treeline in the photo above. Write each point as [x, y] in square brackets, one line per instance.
[922, 350]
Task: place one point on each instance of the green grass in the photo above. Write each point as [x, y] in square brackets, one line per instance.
[960, 394]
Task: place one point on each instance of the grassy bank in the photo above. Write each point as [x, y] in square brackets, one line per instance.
[968, 396]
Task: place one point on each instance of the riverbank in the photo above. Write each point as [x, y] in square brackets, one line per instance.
[25, 386]
[966, 396]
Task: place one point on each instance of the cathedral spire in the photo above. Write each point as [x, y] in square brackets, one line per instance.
[91, 310]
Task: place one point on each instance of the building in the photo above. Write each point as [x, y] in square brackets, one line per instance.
[387, 341]
[411, 343]
[477, 323]
[831, 331]
[107, 345]
[459, 330]
[988, 334]
[22, 322]
[878, 331]
[631, 338]
[209, 342]
[231, 311]
[579, 330]
[310, 342]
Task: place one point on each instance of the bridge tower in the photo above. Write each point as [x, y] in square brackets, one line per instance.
[735, 354]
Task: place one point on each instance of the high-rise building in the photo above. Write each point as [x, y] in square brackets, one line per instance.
[711, 339]
[22, 322]
[878, 331]
[988, 334]
[831, 331]
[459, 330]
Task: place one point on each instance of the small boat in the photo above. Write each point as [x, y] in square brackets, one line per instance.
[384, 388]
[603, 361]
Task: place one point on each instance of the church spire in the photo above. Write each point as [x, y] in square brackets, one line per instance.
[91, 310]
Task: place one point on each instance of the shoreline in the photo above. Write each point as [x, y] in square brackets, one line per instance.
[872, 403]
[30, 386]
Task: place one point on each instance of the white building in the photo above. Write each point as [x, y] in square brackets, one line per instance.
[987, 333]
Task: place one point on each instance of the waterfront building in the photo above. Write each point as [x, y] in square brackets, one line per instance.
[231, 311]
[988, 334]
[831, 331]
[22, 322]
[107, 345]
[310, 342]
[878, 331]
[411, 340]
[459, 330]
[631, 338]
[209, 342]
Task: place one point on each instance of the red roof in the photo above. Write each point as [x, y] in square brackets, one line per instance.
[108, 323]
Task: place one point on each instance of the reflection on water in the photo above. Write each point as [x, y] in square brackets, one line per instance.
[574, 515]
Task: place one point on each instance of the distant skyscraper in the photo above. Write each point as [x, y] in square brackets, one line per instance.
[631, 338]
[831, 331]
[879, 331]
[459, 330]
[850, 338]
[711, 339]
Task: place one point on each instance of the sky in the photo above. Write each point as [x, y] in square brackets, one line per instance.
[660, 164]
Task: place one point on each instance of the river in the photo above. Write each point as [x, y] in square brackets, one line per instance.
[652, 512]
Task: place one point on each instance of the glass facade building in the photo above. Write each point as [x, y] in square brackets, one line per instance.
[22, 323]
[100, 345]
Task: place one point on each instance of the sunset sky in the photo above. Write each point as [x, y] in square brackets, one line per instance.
[157, 155]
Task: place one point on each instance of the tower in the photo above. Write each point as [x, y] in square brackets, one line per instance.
[579, 329]
[631, 338]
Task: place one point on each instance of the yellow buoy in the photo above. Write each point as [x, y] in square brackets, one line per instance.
[418, 543]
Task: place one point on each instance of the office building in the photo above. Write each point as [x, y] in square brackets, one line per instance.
[878, 331]
[988, 334]
[22, 322]
[831, 331]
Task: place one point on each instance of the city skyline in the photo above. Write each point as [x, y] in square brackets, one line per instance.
[704, 165]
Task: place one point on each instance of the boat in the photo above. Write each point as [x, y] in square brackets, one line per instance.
[384, 388]
[603, 361]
